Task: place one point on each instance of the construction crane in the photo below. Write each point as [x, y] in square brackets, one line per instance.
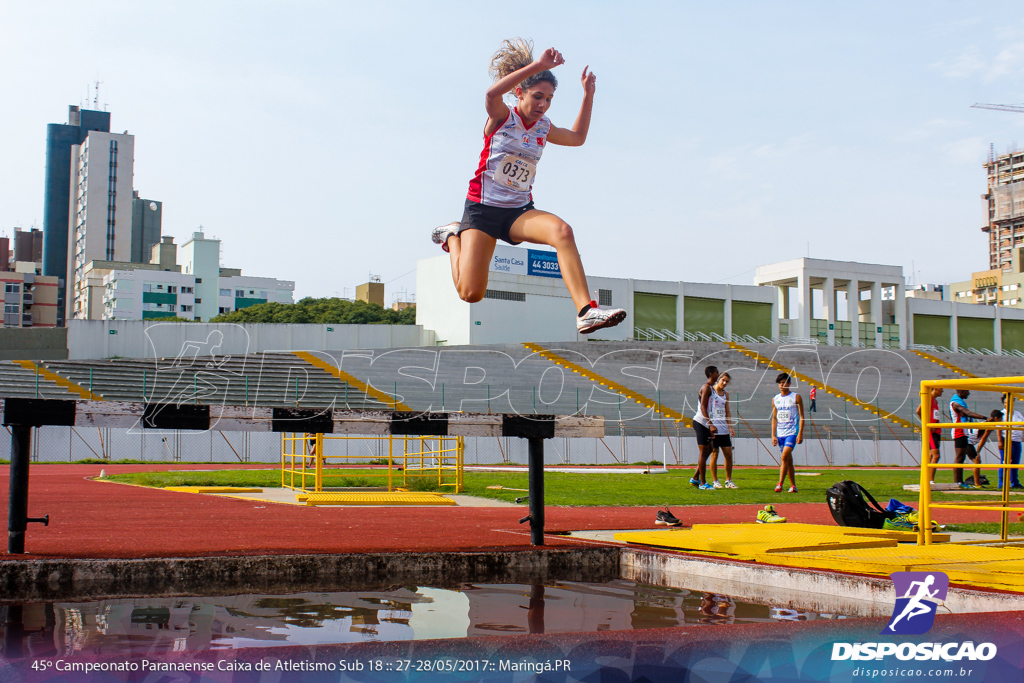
[999, 107]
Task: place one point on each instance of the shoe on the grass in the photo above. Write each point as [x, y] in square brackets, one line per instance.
[730, 485]
[666, 518]
[441, 234]
[769, 516]
[717, 484]
[706, 487]
[694, 482]
[964, 485]
[792, 489]
[598, 318]
[778, 488]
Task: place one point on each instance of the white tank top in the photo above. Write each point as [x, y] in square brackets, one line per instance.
[508, 163]
[786, 416]
[697, 417]
[716, 408]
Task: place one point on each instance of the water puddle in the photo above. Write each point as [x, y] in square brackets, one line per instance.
[138, 626]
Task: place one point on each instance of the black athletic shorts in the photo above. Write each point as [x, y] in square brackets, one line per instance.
[495, 221]
[936, 439]
[723, 441]
[970, 453]
[703, 434]
[961, 442]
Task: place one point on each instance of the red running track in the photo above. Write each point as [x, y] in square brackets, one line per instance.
[94, 519]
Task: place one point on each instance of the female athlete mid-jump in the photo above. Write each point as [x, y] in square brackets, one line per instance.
[499, 204]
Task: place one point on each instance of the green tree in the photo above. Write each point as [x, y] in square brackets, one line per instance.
[329, 311]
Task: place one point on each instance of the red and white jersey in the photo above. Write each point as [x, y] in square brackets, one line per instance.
[508, 162]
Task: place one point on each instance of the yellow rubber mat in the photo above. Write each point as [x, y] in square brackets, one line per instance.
[901, 536]
[375, 498]
[862, 551]
[752, 539]
[212, 489]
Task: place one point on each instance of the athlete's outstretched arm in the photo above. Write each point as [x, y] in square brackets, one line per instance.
[497, 110]
[577, 135]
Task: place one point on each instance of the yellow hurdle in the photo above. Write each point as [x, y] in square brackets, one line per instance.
[1011, 386]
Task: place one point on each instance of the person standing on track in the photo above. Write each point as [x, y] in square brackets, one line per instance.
[721, 418]
[704, 428]
[499, 204]
[935, 438]
[961, 439]
[787, 429]
[1015, 446]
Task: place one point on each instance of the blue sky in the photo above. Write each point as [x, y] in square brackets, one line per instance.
[322, 141]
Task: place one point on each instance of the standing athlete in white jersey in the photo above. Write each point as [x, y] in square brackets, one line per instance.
[499, 204]
[787, 429]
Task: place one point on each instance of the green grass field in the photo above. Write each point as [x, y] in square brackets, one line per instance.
[756, 485]
[608, 489]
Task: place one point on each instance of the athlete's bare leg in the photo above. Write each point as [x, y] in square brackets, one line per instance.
[541, 227]
[713, 462]
[471, 253]
[727, 454]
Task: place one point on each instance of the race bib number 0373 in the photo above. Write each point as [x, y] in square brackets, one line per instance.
[515, 173]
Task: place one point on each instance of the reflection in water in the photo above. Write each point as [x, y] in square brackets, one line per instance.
[152, 626]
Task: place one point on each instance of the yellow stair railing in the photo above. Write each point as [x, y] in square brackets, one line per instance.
[824, 387]
[82, 392]
[603, 381]
[363, 387]
[948, 366]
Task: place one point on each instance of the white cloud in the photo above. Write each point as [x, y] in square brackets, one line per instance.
[1009, 61]
[964, 66]
[973, 150]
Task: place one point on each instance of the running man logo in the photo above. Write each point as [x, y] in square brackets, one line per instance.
[914, 613]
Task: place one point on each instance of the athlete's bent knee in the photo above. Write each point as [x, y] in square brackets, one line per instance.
[471, 294]
[562, 234]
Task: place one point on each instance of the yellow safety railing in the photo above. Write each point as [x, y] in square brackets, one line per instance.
[949, 366]
[603, 381]
[1011, 386]
[312, 462]
[807, 379]
[85, 394]
[351, 381]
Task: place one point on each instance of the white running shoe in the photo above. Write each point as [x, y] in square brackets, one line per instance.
[599, 318]
[441, 234]
[717, 484]
[730, 485]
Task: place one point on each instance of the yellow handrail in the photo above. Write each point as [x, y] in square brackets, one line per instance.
[643, 400]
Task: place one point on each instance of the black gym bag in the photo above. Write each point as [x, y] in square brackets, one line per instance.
[848, 503]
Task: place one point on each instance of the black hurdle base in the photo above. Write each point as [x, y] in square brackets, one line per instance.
[17, 503]
[536, 486]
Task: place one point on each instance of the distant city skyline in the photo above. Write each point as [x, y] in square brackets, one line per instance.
[323, 142]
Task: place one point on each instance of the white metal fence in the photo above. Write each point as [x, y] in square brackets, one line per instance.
[70, 444]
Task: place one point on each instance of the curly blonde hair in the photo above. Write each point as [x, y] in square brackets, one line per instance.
[514, 54]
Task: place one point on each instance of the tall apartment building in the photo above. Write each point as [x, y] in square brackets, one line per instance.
[60, 138]
[1005, 208]
[28, 245]
[100, 208]
[147, 222]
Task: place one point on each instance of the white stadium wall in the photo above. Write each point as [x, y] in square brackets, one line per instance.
[92, 339]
